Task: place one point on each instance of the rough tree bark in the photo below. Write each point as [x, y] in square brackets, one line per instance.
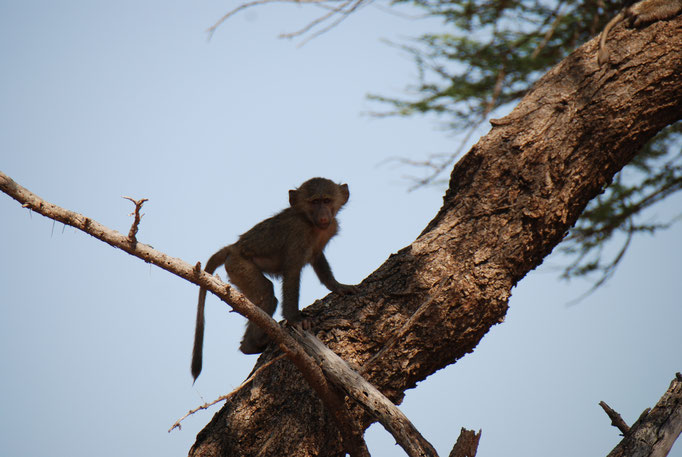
[656, 430]
[510, 201]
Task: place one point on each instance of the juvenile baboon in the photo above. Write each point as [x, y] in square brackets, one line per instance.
[279, 246]
[638, 14]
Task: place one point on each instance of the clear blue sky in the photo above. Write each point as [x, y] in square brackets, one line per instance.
[104, 99]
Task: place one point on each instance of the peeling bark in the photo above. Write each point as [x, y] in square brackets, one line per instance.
[467, 444]
[656, 430]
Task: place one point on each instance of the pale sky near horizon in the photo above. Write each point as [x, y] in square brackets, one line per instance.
[104, 99]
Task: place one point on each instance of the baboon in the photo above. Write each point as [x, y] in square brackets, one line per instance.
[279, 246]
[638, 14]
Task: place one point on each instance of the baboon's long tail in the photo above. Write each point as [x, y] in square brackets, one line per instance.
[214, 262]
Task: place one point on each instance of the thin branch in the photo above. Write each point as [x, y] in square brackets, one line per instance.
[133, 229]
[352, 437]
[446, 164]
[333, 11]
[628, 210]
[391, 10]
[246, 5]
[559, 15]
[315, 22]
[616, 419]
[497, 90]
[656, 430]
[227, 396]
[609, 270]
[343, 16]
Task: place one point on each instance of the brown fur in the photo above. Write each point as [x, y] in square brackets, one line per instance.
[279, 246]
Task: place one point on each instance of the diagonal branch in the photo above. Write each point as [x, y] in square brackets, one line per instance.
[656, 430]
[616, 419]
[343, 376]
[352, 437]
[510, 201]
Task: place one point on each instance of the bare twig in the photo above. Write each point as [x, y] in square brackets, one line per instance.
[133, 229]
[610, 269]
[616, 420]
[656, 430]
[352, 437]
[343, 15]
[234, 11]
[341, 12]
[437, 163]
[316, 21]
[558, 16]
[227, 396]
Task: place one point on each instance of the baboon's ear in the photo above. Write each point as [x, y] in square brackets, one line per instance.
[345, 193]
[293, 197]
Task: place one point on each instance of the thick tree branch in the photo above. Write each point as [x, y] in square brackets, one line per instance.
[311, 371]
[510, 201]
[656, 430]
[304, 350]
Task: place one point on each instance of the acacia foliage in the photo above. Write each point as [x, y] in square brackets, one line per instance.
[488, 54]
